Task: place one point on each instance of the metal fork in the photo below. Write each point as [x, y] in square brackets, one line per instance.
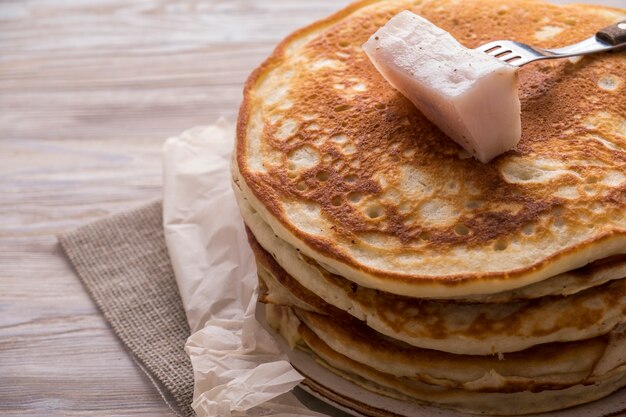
[518, 54]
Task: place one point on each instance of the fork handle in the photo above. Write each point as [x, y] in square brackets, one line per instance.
[614, 34]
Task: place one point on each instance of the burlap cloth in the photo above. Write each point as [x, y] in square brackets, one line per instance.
[124, 265]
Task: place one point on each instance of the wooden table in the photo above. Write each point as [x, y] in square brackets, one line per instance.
[88, 92]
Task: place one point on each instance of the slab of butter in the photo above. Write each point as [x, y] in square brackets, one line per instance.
[471, 96]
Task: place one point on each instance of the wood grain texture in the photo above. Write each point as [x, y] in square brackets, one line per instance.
[88, 92]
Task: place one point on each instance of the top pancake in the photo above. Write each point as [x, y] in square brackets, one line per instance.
[343, 167]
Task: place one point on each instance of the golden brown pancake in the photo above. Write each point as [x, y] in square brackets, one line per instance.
[449, 326]
[414, 390]
[344, 168]
[551, 366]
[548, 366]
[567, 283]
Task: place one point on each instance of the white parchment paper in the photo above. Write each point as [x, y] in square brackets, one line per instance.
[238, 368]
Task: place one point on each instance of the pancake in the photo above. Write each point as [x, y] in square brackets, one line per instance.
[549, 366]
[345, 169]
[567, 283]
[461, 328]
[412, 390]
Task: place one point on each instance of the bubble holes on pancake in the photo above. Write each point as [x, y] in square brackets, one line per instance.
[319, 161]
[356, 199]
[332, 168]
[575, 183]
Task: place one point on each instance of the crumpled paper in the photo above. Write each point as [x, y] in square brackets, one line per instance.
[238, 367]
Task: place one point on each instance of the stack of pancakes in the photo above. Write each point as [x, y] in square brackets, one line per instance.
[404, 265]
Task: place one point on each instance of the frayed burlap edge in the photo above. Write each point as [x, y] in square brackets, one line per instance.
[124, 265]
